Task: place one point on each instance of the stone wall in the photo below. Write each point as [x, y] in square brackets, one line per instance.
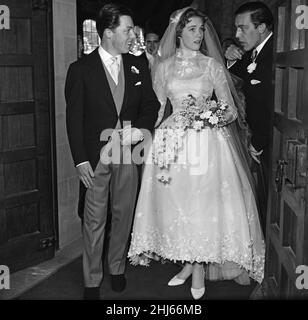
[65, 52]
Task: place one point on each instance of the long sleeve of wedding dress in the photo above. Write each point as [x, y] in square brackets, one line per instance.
[221, 87]
[159, 86]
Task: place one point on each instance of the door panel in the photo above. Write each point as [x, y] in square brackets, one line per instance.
[287, 209]
[27, 210]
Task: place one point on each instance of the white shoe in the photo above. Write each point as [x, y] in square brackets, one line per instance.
[197, 293]
[175, 281]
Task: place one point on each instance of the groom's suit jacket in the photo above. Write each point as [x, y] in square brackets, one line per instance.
[91, 107]
[258, 92]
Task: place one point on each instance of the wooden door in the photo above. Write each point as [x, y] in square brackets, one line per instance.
[287, 220]
[26, 175]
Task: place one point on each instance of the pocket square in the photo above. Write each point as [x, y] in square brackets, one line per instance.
[138, 83]
[253, 81]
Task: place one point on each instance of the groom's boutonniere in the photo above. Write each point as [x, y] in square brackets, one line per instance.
[133, 69]
[252, 67]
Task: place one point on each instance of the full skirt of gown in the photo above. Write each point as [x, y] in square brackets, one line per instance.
[205, 213]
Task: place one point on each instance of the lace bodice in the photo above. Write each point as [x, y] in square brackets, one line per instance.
[196, 74]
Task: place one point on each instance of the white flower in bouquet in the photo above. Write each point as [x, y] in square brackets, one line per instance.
[223, 106]
[198, 125]
[160, 163]
[170, 155]
[206, 115]
[163, 177]
[212, 104]
[213, 120]
[179, 132]
[170, 132]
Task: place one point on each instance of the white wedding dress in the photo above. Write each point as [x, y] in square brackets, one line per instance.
[207, 211]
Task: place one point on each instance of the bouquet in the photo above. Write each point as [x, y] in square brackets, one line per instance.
[195, 113]
[203, 112]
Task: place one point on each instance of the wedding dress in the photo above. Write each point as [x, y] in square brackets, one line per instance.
[205, 211]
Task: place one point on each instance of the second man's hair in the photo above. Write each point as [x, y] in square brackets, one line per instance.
[260, 13]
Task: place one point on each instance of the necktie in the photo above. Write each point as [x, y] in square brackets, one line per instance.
[114, 69]
[254, 55]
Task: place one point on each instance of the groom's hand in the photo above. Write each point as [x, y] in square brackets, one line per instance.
[85, 174]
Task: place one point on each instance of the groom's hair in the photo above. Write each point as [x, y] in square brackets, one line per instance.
[109, 17]
[259, 13]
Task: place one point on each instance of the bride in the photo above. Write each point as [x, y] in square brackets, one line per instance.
[201, 213]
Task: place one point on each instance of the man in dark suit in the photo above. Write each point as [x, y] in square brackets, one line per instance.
[152, 44]
[103, 91]
[151, 47]
[253, 62]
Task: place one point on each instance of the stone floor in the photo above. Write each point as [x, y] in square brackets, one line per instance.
[26, 279]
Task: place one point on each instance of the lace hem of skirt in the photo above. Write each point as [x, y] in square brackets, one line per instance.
[248, 259]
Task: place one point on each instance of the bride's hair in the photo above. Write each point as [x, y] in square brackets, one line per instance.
[184, 19]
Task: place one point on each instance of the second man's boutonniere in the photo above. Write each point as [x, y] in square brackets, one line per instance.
[252, 67]
[254, 82]
[133, 69]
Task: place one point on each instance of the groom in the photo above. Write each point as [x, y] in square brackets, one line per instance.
[105, 90]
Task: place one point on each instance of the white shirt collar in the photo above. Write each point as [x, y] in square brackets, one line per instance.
[106, 56]
[262, 44]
